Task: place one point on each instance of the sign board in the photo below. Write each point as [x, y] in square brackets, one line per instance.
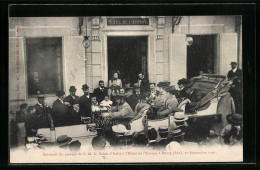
[128, 21]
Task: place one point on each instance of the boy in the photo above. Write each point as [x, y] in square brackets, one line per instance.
[106, 102]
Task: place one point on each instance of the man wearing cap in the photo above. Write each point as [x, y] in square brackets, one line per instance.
[171, 103]
[85, 102]
[60, 112]
[43, 113]
[130, 98]
[122, 112]
[236, 90]
[100, 92]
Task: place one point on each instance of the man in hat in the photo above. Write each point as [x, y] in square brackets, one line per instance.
[43, 113]
[181, 93]
[122, 112]
[101, 91]
[72, 98]
[236, 90]
[60, 112]
[171, 103]
[71, 101]
[130, 98]
[143, 83]
[85, 102]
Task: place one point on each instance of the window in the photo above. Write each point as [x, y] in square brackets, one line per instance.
[44, 65]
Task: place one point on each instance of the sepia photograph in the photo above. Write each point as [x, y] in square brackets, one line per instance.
[125, 89]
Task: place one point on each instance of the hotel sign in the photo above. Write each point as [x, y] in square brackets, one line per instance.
[128, 21]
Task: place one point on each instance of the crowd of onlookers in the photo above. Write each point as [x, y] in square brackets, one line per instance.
[120, 101]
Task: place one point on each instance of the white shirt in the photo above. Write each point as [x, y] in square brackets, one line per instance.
[234, 70]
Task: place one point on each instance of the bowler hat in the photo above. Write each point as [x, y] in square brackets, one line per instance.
[75, 145]
[163, 131]
[72, 88]
[60, 93]
[233, 63]
[85, 87]
[63, 140]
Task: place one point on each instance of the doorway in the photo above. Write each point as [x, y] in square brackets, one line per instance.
[128, 55]
[202, 55]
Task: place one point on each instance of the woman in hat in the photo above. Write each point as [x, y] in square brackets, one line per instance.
[60, 112]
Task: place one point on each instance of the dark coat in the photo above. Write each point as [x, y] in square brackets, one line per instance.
[144, 86]
[60, 113]
[43, 116]
[238, 82]
[85, 106]
[100, 94]
[31, 122]
[70, 100]
[132, 101]
[20, 116]
[75, 117]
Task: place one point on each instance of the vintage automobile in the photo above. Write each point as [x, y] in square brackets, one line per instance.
[216, 101]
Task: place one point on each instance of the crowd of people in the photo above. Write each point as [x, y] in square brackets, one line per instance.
[123, 102]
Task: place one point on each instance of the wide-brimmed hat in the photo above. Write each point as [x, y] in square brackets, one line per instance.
[183, 81]
[63, 140]
[74, 145]
[85, 87]
[72, 88]
[60, 93]
[236, 119]
[163, 84]
[179, 117]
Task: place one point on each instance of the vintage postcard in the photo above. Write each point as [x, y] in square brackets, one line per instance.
[125, 89]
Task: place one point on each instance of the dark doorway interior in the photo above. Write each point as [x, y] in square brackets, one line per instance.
[128, 55]
[201, 55]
